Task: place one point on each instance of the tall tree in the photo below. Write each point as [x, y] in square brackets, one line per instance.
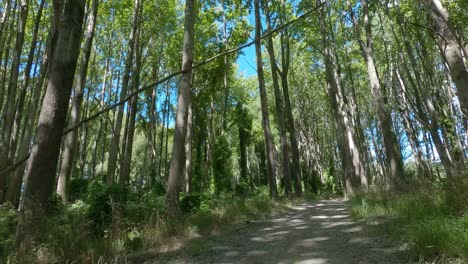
[392, 151]
[40, 175]
[183, 101]
[71, 139]
[10, 106]
[450, 49]
[280, 116]
[115, 141]
[271, 175]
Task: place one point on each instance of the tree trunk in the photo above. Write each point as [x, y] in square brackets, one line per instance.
[188, 152]
[71, 138]
[450, 49]
[390, 140]
[296, 169]
[279, 109]
[115, 141]
[10, 107]
[24, 86]
[271, 175]
[243, 141]
[183, 102]
[127, 157]
[351, 158]
[29, 124]
[45, 152]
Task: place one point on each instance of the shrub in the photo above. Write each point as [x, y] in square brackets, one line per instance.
[7, 229]
[104, 201]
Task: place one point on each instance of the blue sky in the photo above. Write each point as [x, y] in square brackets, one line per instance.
[247, 63]
[247, 58]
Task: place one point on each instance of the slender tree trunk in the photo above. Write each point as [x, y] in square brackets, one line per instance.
[243, 141]
[127, 157]
[102, 121]
[188, 152]
[390, 139]
[24, 86]
[71, 139]
[10, 107]
[45, 153]
[183, 102]
[271, 175]
[29, 125]
[351, 158]
[161, 137]
[421, 163]
[296, 169]
[115, 141]
[279, 110]
[4, 56]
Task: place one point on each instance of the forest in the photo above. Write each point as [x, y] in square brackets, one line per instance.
[233, 131]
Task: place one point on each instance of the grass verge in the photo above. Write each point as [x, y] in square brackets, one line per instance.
[432, 219]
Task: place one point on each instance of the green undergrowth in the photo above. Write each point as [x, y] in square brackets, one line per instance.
[432, 219]
[104, 224]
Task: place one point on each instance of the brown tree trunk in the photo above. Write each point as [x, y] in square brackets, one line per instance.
[264, 105]
[29, 124]
[183, 102]
[71, 138]
[279, 109]
[45, 152]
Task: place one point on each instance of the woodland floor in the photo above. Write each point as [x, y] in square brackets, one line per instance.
[319, 232]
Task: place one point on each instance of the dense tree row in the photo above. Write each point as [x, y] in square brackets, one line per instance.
[347, 95]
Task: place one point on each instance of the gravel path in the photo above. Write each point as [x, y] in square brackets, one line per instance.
[321, 232]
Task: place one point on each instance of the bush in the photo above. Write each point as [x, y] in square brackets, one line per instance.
[190, 203]
[78, 189]
[105, 201]
[67, 232]
[7, 229]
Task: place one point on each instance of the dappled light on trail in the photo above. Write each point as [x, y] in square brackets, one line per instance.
[313, 233]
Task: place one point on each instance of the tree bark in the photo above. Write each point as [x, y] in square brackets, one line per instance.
[351, 158]
[24, 86]
[271, 175]
[188, 152]
[285, 58]
[127, 157]
[29, 124]
[115, 141]
[10, 106]
[392, 152]
[279, 109]
[183, 102]
[450, 49]
[71, 138]
[45, 152]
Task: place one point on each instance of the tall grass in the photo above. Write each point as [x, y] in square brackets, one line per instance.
[432, 219]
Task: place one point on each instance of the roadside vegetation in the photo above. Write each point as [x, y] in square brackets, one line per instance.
[430, 218]
[107, 223]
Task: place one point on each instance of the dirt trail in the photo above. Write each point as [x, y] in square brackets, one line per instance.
[321, 232]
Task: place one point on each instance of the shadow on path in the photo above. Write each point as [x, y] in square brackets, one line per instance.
[321, 232]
